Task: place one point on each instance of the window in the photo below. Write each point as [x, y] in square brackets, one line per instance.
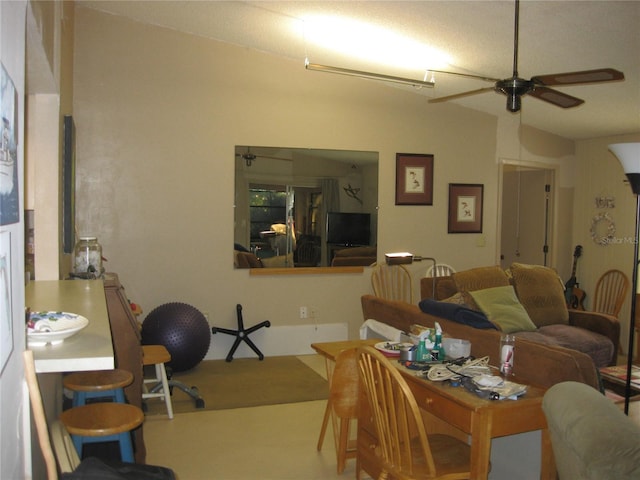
[266, 207]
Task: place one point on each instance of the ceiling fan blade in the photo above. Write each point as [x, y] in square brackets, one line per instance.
[576, 78]
[460, 95]
[555, 97]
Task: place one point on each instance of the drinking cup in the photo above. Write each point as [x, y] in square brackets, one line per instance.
[507, 350]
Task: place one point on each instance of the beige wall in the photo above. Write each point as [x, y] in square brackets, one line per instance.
[600, 174]
[158, 114]
[50, 96]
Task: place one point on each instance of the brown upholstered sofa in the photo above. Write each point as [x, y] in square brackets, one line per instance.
[246, 260]
[540, 359]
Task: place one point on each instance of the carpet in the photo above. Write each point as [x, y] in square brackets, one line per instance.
[245, 382]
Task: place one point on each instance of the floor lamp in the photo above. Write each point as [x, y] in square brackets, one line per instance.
[629, 156]
[404, 258]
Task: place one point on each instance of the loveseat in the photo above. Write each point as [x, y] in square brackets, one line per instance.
[559, 345]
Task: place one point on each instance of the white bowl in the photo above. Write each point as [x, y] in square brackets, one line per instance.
[53, 327]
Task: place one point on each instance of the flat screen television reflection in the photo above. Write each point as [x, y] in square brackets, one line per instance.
[349, 229]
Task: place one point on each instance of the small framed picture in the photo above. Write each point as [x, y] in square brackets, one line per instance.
[414, 179]
[465, 208]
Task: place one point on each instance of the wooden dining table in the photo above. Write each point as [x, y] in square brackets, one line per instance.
[481, 420]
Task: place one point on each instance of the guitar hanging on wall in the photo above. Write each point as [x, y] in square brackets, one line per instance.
[574, 296]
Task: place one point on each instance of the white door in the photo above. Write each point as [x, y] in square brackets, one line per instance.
[526, 223]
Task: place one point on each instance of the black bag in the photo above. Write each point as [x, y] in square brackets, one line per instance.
[92, 468]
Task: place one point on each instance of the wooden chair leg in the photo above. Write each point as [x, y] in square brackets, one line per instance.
[325, 422]
[343, 444]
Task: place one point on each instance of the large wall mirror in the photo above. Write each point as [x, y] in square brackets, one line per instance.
[299, 207]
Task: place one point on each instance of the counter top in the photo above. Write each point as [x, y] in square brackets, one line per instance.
[89, 349]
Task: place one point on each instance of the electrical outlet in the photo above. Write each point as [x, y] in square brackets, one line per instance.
[303, 312]
[313, 312]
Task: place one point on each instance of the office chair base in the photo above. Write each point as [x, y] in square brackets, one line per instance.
[242, 335]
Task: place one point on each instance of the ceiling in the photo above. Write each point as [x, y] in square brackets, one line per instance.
[555, 36]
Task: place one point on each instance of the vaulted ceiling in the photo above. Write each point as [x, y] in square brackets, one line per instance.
[477, 36]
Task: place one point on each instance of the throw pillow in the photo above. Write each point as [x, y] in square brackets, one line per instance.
[455, 298]
[504, 309]
[541, 292]
[478, 279]
[457, 313]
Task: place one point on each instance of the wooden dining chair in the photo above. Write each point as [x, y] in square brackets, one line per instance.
[39, 417]
[610, 292]
[342, 406]
[392, 282]
[440, 270]
[406, 451]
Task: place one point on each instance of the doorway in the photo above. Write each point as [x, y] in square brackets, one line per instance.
[527, 214]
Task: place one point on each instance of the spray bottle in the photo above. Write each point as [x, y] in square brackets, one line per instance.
[438, 342]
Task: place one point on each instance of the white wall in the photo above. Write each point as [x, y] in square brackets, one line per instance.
[14, 415]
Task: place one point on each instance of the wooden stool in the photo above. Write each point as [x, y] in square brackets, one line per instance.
[157, 355]
[103, 422]
[107, 384]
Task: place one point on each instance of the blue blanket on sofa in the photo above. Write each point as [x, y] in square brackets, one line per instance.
[457, 313]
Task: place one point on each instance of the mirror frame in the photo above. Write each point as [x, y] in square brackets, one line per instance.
[304, 168]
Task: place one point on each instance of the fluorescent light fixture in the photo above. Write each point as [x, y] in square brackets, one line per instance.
[372, 76]
[371, 43]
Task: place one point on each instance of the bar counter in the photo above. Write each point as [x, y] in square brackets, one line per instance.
[89, 349]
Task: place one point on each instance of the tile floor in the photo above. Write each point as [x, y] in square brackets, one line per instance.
[261, 443]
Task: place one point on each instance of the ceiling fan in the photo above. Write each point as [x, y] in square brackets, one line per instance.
[515, 87]
[249, 157]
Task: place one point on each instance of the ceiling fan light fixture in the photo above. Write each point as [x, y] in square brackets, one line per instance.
[514, 88]
[514, 102]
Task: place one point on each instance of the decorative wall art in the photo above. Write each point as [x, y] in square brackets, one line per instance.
[603, 229]
[9, 194]
[465, 208]
[414, 179]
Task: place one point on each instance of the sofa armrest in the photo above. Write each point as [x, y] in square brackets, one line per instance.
[398, 314]
[601, 323]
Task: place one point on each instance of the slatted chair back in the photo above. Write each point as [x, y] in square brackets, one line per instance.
[440, 270]
[392, 282]
[406, 451]
[610, 292]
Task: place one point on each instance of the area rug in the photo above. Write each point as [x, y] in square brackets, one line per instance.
[245, 382]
